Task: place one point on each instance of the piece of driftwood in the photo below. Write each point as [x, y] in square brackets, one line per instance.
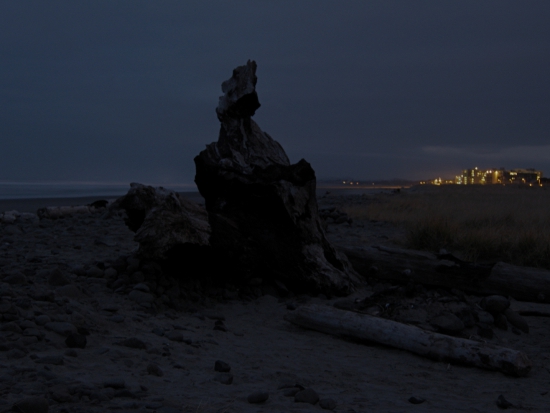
[262, 209]
[165, 223]
[63, 211]
[534, 313]
[406, 337]
[521, 283]
[530, 309]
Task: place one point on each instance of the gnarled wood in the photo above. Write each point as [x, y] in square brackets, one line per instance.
[432, 345]
[401, 265]
[262, 209]
[164, 221]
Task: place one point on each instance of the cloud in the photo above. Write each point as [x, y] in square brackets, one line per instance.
[520, 153]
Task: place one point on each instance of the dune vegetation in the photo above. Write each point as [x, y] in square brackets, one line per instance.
[480, 223]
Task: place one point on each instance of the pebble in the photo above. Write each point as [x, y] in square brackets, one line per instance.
[32, 405]
[306, 396]
[222, 366]
[115, 383]
[117, 318]
[95, 272]
[158, 331]
[485, 317]
[154, 370]
[16, 278]
[220, 326]
[501, 322]
[133, 342]
[54, 360]
[56, 278]
[69, 291]
[12, 327]
[485, 331]
[33, 332]
[76, 340]
[176, 335]
[41, 320]
[141, 297]
[61, 328]
[292, 391]
[16, 353]
[258, 397]
[495, 304]
[502, 403]
[142, 287]
[327, 404]
[416, 400]
[448, 322]
[516, 320]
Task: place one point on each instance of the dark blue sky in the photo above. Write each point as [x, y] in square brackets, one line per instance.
[119, 91]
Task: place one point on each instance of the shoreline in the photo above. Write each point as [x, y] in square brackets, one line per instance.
[33, 204]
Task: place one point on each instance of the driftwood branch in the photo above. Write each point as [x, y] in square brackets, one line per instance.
[534, 313]
[522, 283]
[432, 345]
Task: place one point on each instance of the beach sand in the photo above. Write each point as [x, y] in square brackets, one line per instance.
[58, 276]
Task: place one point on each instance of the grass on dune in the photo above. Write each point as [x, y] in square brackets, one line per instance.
[510, 224]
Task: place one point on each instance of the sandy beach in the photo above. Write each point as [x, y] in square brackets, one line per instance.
[75, 277]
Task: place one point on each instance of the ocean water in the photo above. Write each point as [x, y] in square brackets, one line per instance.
[18, 190]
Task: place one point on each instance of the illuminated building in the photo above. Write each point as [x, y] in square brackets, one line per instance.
[476, 176]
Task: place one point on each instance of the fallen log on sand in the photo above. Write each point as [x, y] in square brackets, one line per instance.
[432, 345]
[401, 265]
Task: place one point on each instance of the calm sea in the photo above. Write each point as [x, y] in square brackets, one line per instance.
[17, 190]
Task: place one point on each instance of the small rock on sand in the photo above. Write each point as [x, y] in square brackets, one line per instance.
[495, 304]
[258, 397]
[516, 320]
[306, 396]
[31, 405]
[154, 370]
[222, 366]
[76, 341]
[448, 322]
[115, 383]
[327, 404]
[416, 400]
[133, 342]
[502, 403]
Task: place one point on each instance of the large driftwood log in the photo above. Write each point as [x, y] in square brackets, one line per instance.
[261, 208]
[401, 265]
[432, 345]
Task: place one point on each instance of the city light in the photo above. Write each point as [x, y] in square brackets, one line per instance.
[493, 176]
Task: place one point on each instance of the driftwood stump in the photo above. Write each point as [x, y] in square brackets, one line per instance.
[262, 209]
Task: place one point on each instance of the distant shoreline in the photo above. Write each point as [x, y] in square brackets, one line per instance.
[27, 204]
[33, 204]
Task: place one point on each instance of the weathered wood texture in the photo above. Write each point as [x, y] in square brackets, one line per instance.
[521, 283]
[261, 208]
[164, 221]
[432, 345]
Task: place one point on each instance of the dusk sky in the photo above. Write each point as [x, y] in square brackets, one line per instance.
[120, 91]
